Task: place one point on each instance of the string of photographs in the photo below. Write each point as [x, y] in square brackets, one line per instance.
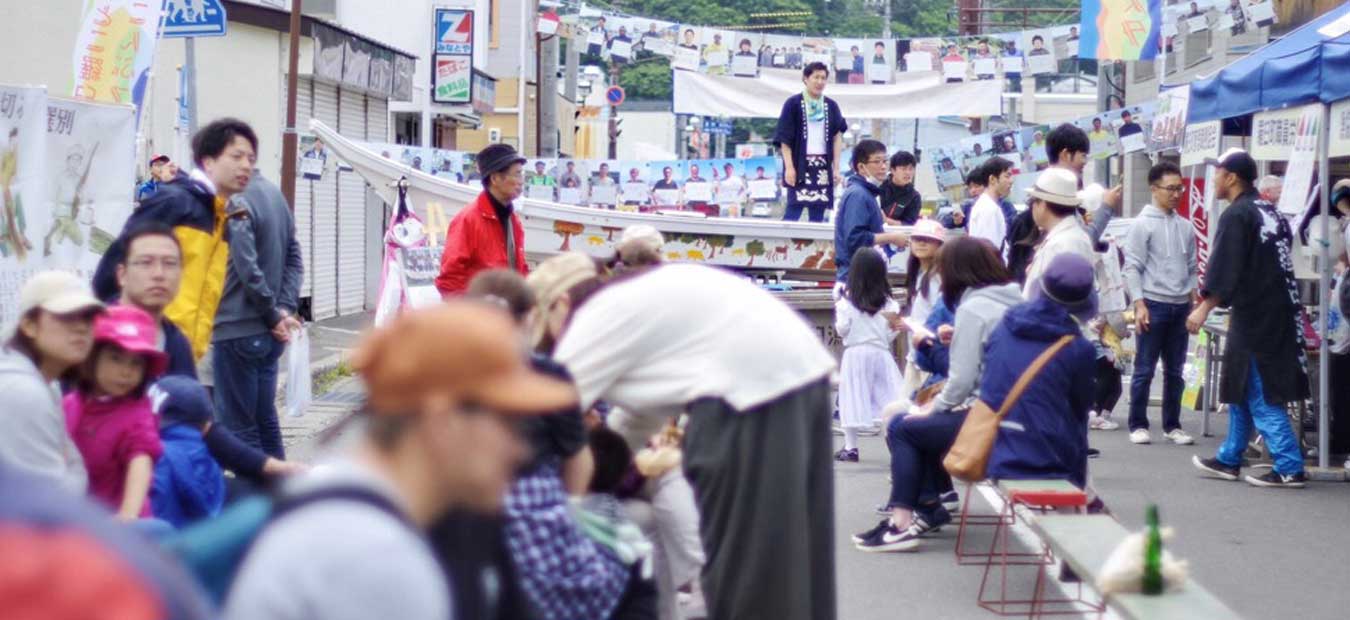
[1007, 56]
[705, 185]
[1115, 132]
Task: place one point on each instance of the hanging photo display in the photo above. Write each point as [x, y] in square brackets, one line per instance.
[715, 51]
[1116, 132]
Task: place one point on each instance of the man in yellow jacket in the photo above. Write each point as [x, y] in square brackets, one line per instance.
[196, 206]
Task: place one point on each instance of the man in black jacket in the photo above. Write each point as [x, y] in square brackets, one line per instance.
[1251, 271]
[900, 202]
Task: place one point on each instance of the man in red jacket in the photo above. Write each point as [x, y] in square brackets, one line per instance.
[486, 234]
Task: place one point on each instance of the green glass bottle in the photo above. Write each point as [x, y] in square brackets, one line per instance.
[1152, 580]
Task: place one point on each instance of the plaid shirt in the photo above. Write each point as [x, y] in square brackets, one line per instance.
[564, 574]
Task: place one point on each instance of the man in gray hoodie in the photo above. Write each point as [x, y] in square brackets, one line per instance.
[1160, 272]
[257, 314]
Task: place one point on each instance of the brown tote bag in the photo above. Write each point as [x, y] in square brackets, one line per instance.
[969, 456]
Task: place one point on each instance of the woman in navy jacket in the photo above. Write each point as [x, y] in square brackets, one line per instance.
[1044, 435]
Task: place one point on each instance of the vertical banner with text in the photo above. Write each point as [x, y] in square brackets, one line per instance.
[452, 60]
[114, 48]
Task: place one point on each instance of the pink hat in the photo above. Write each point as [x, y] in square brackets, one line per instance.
[134, 330]
[928, 229]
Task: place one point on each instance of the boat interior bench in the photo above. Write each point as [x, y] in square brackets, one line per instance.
[1084, 542]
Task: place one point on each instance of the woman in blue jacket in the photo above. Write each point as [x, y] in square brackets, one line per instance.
[1044, 435]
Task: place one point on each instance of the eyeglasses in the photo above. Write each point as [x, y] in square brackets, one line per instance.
[1171, 189]
[151, 263]
[876, 162]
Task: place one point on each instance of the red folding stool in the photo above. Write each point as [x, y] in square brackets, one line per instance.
[1040, 496]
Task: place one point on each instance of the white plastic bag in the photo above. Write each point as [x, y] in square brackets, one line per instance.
[299, 384]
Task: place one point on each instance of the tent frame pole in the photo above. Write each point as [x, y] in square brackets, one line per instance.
[1323, 365]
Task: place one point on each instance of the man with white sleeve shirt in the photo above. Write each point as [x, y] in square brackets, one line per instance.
[986, 217]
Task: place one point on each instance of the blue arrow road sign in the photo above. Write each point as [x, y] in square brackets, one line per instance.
[193, 18]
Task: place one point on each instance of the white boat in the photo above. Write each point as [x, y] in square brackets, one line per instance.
[550, 228]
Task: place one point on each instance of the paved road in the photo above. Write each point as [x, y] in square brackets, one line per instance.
[1268, 553]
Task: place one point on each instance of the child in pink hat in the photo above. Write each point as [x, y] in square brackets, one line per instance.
[109, 415]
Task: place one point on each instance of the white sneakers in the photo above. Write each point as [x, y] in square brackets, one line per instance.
[1179, 437]
[1099, 423]
[1176, 436]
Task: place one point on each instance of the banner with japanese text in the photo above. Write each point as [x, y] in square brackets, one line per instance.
[114, 48]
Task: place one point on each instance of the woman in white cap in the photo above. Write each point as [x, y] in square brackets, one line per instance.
[53, 337]
[923, 287]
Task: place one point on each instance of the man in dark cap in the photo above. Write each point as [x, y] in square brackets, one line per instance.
[486, 234]
[1250, 270]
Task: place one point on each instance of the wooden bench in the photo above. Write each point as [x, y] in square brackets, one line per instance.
[1083, 542]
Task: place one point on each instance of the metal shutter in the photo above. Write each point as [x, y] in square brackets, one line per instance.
[325, 223]
[351, 216]
[377, 120]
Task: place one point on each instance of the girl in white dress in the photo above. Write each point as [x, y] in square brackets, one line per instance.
[868, 320]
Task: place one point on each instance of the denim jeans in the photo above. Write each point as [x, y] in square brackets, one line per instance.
[917, 445]
[1270, 420]
[246, 390]
[814, 213]
[1166, 337]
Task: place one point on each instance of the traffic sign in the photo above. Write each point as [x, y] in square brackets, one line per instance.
[614, 95]
[193, 18]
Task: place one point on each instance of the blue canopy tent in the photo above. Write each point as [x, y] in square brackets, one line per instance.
[1303, 67]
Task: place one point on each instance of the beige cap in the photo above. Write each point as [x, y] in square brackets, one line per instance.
[57, 292]
[461, 350]
[549, 281]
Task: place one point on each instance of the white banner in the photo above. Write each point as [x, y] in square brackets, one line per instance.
[913, 95]
[23, 189]
[1169, 123]
[1339, 145]
[67, 173]
[92, 171]
[1302, 160]
[1202, 140]
[114, 48]
[1274, 133]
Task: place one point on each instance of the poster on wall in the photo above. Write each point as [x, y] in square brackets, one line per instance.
[23, 188]
[90, 172]
[1169, 123]
[1275, 133]
[1298, 175]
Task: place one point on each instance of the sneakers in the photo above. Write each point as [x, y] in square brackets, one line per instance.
[1214, 468]
[1099, 423]
[866, 534]
[884, 509]
[1094, 453]
[1140, 436]
[952, 502]
[931, 520]
[1276, 480]
[847, 456]
[891, 538]
[1179, 437]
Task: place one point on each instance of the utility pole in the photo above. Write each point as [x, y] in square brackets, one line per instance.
[288, 136]
[546, 96]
